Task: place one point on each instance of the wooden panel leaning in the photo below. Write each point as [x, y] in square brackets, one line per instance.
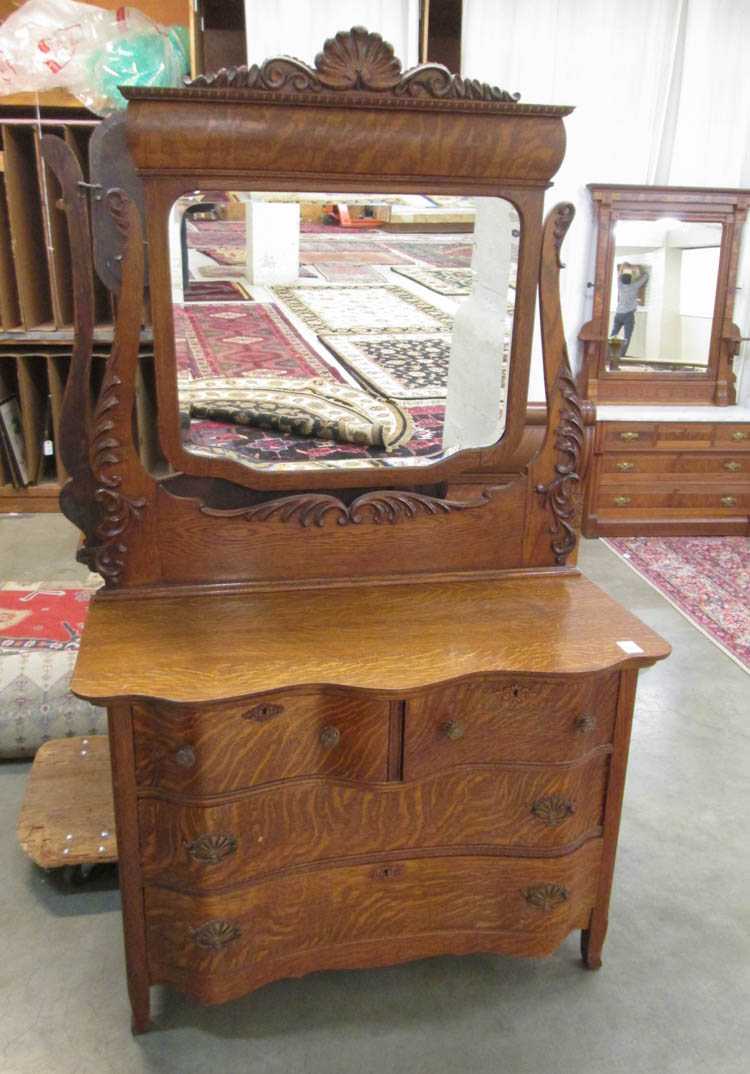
[351, 726]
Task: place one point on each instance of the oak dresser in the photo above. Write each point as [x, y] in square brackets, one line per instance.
[359, 712]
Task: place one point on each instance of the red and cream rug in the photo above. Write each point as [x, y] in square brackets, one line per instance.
[705, 578]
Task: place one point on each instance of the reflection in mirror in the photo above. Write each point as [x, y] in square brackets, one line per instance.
[663, 291]
[341, 330]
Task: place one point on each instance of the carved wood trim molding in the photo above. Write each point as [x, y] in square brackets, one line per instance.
[111, 415]
[354, 60]
[559, 495]
[313, 508]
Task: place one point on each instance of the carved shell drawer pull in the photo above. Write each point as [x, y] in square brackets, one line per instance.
[453, 729]
[215, 935]
[732, 466]
[329, 737]
[630, 435]
[553, 809]
[585, 723]
[546, 896]
[211, 849]
[185, 757]
[262, 712]
[625, 467]
[622, 501]
[738, 434]
[728, 501]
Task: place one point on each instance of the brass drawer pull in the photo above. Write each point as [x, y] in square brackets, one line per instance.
[553, 809]
[584, 723]
[625, 467]
[738, 434]
[733, 467]
[630, 435]
[546, 896]
[622, 501]
[211, 849]
[215, 935]
[185, 757]
[261, 713]
[329, 737]
[728, 501]
[453, 729]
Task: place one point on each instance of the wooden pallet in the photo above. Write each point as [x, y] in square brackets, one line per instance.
[67, 818]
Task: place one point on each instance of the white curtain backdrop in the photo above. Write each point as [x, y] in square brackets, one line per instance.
[662, 95]
[295, 28]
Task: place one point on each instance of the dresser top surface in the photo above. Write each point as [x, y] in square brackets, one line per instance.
[385, 639]
[680, 414]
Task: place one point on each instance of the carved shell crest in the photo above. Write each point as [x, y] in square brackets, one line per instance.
[358, 60]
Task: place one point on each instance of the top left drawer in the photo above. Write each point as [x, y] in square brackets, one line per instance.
[215, 749]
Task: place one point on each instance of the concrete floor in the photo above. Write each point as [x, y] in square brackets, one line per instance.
[671, 998]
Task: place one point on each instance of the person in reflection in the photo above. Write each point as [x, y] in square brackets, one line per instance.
[630, 281]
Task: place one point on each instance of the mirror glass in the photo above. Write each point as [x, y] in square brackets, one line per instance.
[663, 291]
[328, 330]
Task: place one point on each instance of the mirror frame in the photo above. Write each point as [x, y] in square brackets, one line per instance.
[244, 129]
[692, 205]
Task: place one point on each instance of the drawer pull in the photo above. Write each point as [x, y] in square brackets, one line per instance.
[185, 757]
[738, 434]
[546, 896]
[211, 849]
[215, 935]
[553, 809]
[584, 723]
[728, 501]
[453, 729]
[733, 467]
[630, 435]
[622, 501]
[329, 737]
[625, 467]
[261, 713]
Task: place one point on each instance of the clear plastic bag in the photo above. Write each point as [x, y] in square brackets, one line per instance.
[89, 51]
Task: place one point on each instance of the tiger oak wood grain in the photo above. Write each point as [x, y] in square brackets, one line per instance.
[232, 750]
[486, 808]
[382, 639]
[355, 913]
[506, 719]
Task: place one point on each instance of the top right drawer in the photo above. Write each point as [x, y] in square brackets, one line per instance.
[503, 719]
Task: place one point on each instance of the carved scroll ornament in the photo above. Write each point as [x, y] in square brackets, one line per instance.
[354, 60]
[313, 508]
[559, 496]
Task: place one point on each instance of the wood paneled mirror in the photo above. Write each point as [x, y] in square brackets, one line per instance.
[662, 328]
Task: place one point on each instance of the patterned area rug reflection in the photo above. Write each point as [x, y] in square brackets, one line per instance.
[705, 578]
[443, 281]
[350, 310]
[403, 368]
[255, 337]
[234, 340]
[437, 254]
[216, 291]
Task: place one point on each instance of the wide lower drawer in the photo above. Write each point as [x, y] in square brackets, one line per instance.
[733, 499]
[216, 947]
[216, 749]
[521, 809]
[623, 466]
[507, 718]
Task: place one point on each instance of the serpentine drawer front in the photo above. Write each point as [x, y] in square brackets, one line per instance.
[215, 749]
[217, 947]
[503, 719]
[492, 808]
